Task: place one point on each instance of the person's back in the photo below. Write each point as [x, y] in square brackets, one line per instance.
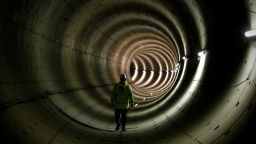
[121, 100]
[122, 95]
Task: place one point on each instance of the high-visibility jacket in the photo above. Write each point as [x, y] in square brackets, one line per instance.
[122, 97]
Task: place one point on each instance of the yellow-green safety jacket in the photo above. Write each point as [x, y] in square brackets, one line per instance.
[122, 97]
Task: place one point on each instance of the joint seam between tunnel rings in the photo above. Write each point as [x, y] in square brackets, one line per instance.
[43, 95]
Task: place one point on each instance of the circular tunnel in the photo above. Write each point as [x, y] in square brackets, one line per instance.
[191, 68]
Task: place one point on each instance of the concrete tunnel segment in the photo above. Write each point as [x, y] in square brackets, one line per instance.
[191, 68]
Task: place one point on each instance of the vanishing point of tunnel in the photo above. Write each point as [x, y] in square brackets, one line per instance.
[191, 65]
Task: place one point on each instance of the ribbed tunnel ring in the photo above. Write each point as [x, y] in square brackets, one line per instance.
[151, 65]
[191, 65]
[145, 40]
[78, 53]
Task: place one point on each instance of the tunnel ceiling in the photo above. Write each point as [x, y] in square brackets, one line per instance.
[191, 70]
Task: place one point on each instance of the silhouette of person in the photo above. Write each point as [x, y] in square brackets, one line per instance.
[122, 99]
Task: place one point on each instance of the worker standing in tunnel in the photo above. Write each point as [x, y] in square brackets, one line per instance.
[122, 99]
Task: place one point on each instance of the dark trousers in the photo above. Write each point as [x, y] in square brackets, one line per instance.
[120, 113]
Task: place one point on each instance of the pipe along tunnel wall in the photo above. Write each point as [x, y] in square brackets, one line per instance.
[191, 69]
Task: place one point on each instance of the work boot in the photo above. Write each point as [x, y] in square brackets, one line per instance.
[117, 127]
[123, 128]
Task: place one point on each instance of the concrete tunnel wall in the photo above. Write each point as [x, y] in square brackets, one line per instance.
[60, 59]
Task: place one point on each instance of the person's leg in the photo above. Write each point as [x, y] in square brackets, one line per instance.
[123, 114]
[117, 118]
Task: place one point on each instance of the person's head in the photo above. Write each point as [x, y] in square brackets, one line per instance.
[122, 77]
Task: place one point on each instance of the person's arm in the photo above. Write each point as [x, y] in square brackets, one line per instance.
[131, 99]
[113, 95]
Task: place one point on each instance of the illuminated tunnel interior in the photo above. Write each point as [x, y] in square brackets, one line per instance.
[190, 65]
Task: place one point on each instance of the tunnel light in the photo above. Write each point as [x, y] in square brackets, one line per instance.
[201, 65]
[201, 53]
[250, 33]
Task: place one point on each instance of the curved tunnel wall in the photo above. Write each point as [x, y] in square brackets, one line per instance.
[60, 59]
